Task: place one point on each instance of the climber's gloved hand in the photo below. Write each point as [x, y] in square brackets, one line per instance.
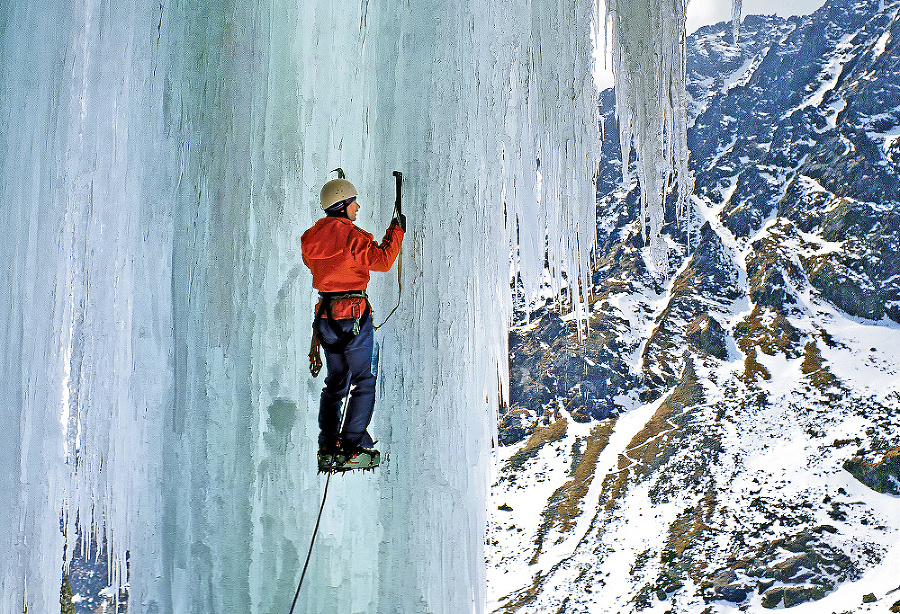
[400, 220]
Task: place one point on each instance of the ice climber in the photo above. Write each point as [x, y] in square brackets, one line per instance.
[340, 256]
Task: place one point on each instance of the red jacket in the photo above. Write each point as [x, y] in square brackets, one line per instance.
[340, 256]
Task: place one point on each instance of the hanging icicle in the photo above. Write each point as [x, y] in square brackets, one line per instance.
[651, 108]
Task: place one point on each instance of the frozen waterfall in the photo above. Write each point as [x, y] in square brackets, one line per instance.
[159, 162]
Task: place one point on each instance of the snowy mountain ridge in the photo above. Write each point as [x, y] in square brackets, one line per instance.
[727, 439]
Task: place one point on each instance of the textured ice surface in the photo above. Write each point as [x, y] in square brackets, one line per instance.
[159, 162]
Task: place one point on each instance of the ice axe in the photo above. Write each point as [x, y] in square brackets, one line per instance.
[398, 182]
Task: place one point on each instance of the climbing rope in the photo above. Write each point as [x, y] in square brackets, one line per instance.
[398, 178]
[312, 541]
[399, 288]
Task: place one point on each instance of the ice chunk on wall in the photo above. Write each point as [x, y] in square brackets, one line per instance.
[159, 163]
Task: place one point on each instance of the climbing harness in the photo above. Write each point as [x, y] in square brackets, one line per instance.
[324, 310]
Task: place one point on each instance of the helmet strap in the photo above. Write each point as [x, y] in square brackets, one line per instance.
[339, 209]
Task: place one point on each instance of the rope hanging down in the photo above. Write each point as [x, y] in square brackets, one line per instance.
[398, 211]
[312, 541]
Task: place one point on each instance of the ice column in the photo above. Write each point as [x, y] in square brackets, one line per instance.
[465, 99]
[85, 242]
[159, 163]
[647, 40]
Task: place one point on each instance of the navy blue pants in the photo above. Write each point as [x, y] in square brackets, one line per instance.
[349, 368]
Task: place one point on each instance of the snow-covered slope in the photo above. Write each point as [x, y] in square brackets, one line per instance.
[727, 438]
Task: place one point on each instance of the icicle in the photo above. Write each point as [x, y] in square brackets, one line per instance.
[735, 20]
[648, 57]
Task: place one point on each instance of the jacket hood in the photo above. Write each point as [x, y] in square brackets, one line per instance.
[326, 239]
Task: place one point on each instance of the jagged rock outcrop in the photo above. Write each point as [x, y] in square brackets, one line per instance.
[878, 471]
[705, 334]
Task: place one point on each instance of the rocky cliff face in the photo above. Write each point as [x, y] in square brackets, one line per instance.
[726, 437]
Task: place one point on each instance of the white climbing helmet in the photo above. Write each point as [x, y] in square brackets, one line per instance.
[335, 191]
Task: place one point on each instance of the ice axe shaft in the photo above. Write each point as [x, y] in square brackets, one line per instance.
[398, 179]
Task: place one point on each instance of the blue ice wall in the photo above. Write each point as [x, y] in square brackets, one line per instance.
[159, 163]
